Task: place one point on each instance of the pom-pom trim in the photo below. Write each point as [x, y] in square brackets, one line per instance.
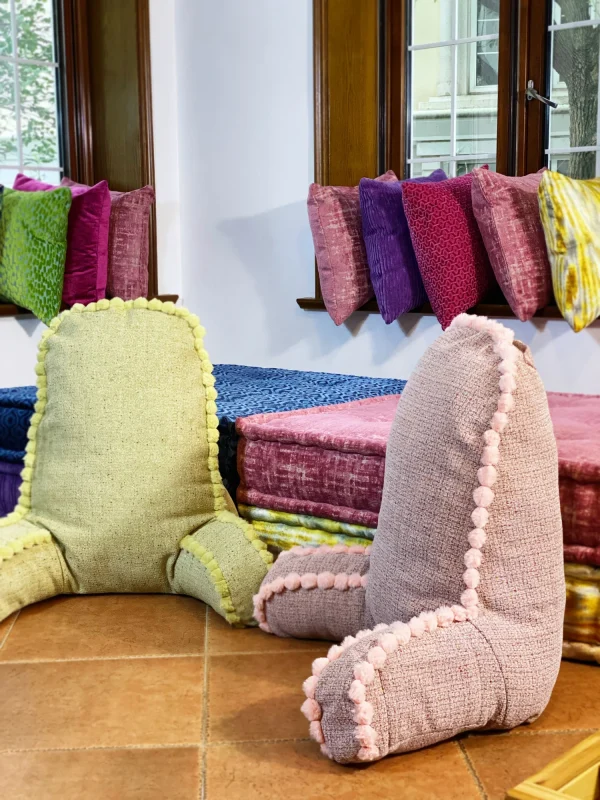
[21, 543]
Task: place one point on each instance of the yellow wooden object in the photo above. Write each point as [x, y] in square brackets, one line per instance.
[573, 776]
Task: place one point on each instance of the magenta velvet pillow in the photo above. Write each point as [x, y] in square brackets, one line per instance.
[335, 222]
[507, 212]
[128, 242]
[87, 239]
[452, 259]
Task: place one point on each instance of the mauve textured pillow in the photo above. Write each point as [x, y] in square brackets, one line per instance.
[390, 255]
[334, 216]
[87, 239]
[450, 252]
[507, 212]
[128, 242]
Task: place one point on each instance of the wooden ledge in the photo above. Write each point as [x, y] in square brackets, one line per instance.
[10, 310]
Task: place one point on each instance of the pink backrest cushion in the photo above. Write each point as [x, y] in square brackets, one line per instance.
[506, 210]
[86, 263]
[335, 222]
[128, 244]
[450, 252]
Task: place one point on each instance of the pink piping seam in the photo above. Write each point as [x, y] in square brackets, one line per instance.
[400, 633]
[309, 580]
[298, 550]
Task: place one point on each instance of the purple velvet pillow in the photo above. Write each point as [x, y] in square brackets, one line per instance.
[392, 263]
[128, 244]
[86, 265]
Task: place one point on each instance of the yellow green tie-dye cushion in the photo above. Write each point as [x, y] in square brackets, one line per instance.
[33, 249]
[121, 488]
[570, 213]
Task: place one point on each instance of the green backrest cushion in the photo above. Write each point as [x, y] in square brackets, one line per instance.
[33, 249]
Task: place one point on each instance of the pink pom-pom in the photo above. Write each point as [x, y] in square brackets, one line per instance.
[364, 579]
[266, 592]
[319, 665]
[334, 652]
[364, 672]
[506, 351]
[499, 421]
[471, 578]
[487, 476]
[377, 656]
[462, 321]
[460, 613]
[292, 581]
[491, 438]
[507, 367]
[430, 620]
[278, 585]
[483, 496]
[361, 634]
[307, 551]
[388, 642]
[316, 732]
[325, 580]
[469, 598]
[264, 627]
[348, 642]
[381, 626]
[357, 692]
[354, 581]
[479, 323]
[507, 383]
[506, 403]
[310, 685]
[368, 753]
[401, 632]
[473, 558]
[445, 616]
[366, 735]
[480, 517]
[295, 549]
[417, 627]
[311, 709]
[324, 548]
[363, 714]
[477, 538]
[490, 455]
[356, 548]
[368, 549]
[308, 580]
[339, 548]
[340, 582]
[472, 613]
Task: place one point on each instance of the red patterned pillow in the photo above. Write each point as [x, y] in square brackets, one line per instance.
[335, 222]
[450, 252]
[508, 216]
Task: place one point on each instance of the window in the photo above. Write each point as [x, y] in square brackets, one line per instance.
[29, 119]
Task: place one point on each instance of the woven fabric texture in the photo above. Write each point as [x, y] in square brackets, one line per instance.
[121, 465]
[582, 615]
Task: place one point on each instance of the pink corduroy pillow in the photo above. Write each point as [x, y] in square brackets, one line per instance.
[507, 212]
[128, 242]
[452, 259]
[335, 222]
[86, 263]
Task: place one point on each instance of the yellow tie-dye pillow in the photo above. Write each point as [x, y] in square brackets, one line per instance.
[570, 212]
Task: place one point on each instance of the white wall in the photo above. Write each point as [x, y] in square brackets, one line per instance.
[234, 156]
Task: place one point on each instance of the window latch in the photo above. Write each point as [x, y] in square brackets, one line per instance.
[533, 94]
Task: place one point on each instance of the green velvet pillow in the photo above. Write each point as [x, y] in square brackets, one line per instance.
[33, 249]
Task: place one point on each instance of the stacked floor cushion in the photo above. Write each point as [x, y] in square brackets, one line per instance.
[242, 391]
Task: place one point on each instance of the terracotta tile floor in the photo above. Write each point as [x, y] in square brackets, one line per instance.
[153, 698]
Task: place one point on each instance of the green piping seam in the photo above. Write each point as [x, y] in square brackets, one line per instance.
[25, 542]
[208, 560]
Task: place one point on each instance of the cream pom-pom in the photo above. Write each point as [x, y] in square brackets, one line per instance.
[377, 656]
[477, 538]
[480, 517]
[507, 383]
[362, 634]
[417, 627]
[487, 476]
[154, 305]
[506, 403]
[471, 578]
[388, 642]
[340, 582]
[429, 619]
[292, 581]
[364, 672]
[499, 421]
[473, 558]
[319, 665]
[381, 626]
[469, 598]
[460, 613]
[401, 631]
[445, 616]
[308, 580]
[483, 496]
[491, 437]
[325, 580]
[490, 455]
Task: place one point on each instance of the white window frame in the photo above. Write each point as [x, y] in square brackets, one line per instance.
[16, 62]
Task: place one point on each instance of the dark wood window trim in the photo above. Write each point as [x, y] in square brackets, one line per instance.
[354, 37]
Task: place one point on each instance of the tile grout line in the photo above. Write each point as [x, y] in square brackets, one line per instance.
[473, 772]
[204, 732]
[9, 631]
[149, 657]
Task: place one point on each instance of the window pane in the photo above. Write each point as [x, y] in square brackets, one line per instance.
[477, 107]
[47, 175]
[478, 18]
[462, 167]
[7, 176]
[9, 150]
[432, 21]
[564, 11]
[38, 115]
[5, 29]
[575, 59]
[35, 33]
[431, 101]
[426, 168]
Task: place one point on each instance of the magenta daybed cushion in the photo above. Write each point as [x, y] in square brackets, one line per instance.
[326, 461]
